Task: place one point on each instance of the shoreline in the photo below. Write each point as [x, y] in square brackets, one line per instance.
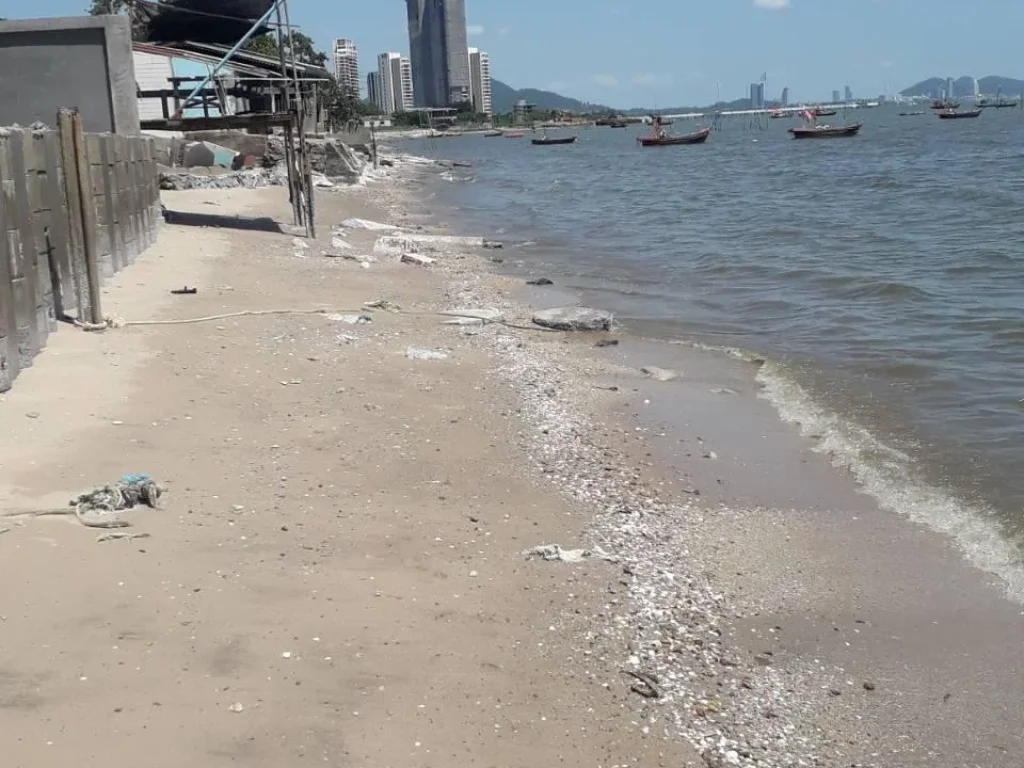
[841, 530]
[366, 513]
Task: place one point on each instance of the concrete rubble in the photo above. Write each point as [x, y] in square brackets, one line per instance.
[574, 319]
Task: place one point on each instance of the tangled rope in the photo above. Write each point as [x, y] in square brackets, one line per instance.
[91, 508]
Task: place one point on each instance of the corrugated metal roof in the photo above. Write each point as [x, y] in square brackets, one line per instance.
[205, 58]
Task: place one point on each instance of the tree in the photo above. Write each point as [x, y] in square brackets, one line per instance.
[107, 7]
[305, 49]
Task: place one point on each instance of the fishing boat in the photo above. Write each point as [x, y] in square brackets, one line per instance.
[494, 134]
[778, 114]
[819, 112]
[912, 114]
[617, 124]
[997, 104]
[513, 134]
[945, 104]
[545, 141]
[664, 140]
[952, 114]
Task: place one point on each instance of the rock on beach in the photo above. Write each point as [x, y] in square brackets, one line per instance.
[574, 319]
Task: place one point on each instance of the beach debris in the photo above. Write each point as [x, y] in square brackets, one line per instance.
[121, 537]
[472, 316]
[237, 707]
[185, 291]
[723, 391]
[367, 224]
[32, 415]
[414, 353]
[574, 319]
[461, 164]
[540, 281]
[552, 553]
[607, 343]
[91, 509]
[391, 245]
[869, 686]
[382, 304]
[659, 374]
[417, 259]
[338, 244]
[646, 685]
[352, 319]
[319, 180]
[493, 244]
[299, 243]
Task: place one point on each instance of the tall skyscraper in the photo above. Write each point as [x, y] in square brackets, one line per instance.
[835, 97]
[439, 53]
[785, 97]
[757, 95]
[346, 65]
[975, 87]
[950, 88]
[373, 91]
[395, 82]
[848, 94]
[480, 81]
[408, 97]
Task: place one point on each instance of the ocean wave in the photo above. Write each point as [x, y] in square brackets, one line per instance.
[888, 475]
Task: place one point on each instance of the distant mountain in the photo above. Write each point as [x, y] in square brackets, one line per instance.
[964, 86]
[504, 97]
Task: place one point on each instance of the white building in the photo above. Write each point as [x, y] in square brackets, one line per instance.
[975, 87]
[395, 83]
[373, 90]
[480, 81]
[346, 65]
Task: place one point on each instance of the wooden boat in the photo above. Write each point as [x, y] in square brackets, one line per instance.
[697, 137]
[825, 131]
[824, 112]
[911, 114]
[998, 104]
[546, 142]
[513, 135]
[493, 134]
[618, 124]
[945, 104]
[952, 114]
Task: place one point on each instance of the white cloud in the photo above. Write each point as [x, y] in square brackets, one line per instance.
[474, 29]
[772, 5]
[606, 80]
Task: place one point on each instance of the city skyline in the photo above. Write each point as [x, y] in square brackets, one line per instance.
[439, 52]
[886, 46]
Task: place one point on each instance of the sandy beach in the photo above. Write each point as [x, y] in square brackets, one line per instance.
[337, 573]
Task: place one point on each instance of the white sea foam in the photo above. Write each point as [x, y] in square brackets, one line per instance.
[888, 475]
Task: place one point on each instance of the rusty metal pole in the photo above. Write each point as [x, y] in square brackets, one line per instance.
[289, 156]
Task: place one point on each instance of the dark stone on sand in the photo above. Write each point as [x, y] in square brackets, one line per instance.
[869, 686]
[540, 281]
[607, 343]
[574, 319]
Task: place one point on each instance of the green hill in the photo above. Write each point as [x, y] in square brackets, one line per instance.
[504, 97]
[964, 86]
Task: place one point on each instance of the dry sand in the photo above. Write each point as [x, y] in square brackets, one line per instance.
[339, 553]
[337, 576]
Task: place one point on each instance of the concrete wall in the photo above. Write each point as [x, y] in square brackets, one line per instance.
[83, 62]
[42, 263]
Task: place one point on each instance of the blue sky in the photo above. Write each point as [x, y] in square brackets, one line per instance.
[675, 52]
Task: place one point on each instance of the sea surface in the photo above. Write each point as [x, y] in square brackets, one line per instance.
[880, 277]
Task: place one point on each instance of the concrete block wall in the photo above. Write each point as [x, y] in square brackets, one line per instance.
[80, 61]
[43, 276]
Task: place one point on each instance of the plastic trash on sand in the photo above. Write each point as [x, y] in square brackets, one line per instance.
[554, 553]
[414, 353]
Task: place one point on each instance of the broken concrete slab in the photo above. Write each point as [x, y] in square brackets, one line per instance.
[472, 316]
[417, 259]
[367, 224]
[574, 319]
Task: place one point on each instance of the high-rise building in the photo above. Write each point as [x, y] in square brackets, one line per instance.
[975, 87]
[848, 94]
[395, 83]
[757, 95]
[346, 65]
[373, 91]
[950, 88]
[439, 53]
[785, 97]
[835, 97]
[480, 81]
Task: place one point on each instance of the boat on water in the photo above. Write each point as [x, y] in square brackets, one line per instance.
[493, 134]
[618, 124]
[912, 114]
[546, 141]
[826, 131]
[824, 112]
[952, 114]
[778, 114]
[945, 104]
[997, 104]
[513, 134]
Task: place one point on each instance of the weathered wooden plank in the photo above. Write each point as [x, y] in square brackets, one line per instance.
[9, 364]
[59, 245]
[40, 212]
[24, 258]
[81, 166]
[73, 199]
